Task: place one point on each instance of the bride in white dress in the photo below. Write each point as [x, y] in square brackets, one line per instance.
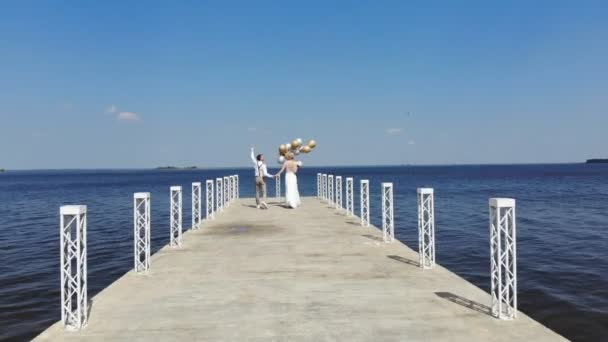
[292, 195]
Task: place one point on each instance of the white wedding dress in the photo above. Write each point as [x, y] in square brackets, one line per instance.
[292, 195]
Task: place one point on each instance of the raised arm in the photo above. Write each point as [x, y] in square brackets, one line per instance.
[253, 157]
[281, 171]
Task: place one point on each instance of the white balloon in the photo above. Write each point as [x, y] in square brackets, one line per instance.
[281, 160]
[299, 141]
[297, 152]
[288, 145]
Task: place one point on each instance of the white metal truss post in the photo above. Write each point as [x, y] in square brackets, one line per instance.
[330, 189]
[318, 185]
[364, 201]
[234, 186]
[504, 258]
[218, 195]
[350, 204]
[324, 186]
[73, 238]
[231, 180]
[237, 190]
[338, 192]
[141, 231]
[426, 227]
[176, 217]
[209, 199]
[277, 187]
[196, 205]
[226, 192]
[388, 222]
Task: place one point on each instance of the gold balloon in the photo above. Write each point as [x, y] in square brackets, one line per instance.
[312, 144]
[282, 149]
[295, 144]
[306, 149]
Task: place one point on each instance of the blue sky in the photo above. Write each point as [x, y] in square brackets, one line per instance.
[130, 84]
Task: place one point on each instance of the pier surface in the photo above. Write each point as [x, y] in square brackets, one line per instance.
[309, 274]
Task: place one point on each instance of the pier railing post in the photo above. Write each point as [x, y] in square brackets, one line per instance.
[426, 227]
[237, 190]
[350, 205]
[318, 185]
[503, 258]
[388, 224]
[364, 201]
[226, 192]
[234, 196]
[218, 195]
[324, 181]
[176, 217]
[209, 209]
[196, 205]
[338, 192]
[74, 289]
[141, 231]
[277, 186]
[330, 189]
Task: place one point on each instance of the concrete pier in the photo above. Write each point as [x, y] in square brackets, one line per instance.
[310, 274]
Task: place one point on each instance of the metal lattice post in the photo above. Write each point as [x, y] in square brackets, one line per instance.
[364, 201]
[238, 191]
[504, 258]
[196, 205]
[388, 224]
[426, 227]
[141, 231]
[330, 189]
[226, 192]
[324, 181]
[350, 205]
[175, 230]
[209, 209]
[73, 236]
[218, 195]
[277, 186]
[234, 196]
[318, 185]
[338, 192]
[232, 186]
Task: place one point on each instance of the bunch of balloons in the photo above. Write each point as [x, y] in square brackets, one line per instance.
[295, 147]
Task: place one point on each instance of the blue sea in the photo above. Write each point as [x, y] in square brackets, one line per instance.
[562, 222]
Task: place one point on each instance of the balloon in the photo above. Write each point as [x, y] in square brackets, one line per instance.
[296, 152]
[299, 141]
[281, 160]
[282, 149]
[312, 144]
[288, 146]
[295, 144]
[306, 149]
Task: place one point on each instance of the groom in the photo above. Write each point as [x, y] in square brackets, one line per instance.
[260, 184]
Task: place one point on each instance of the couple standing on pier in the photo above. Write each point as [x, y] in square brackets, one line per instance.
[292, 195]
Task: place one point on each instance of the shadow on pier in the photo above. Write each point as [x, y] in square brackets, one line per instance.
[404, 260]
[467, 303]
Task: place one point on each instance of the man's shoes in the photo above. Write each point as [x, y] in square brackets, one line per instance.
[264, 205]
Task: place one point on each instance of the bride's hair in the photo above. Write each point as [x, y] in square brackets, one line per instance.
[289, 156]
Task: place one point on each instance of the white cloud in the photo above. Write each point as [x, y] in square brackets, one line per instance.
[252, 129]
[411, 142]
[394, 130]
[127, 116]
[112, 109]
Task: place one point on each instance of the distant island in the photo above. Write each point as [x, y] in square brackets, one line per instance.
[176, 168]
[597, 161]
[2, 170]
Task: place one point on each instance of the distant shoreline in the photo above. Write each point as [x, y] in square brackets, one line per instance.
[597, 161]
[176, 168]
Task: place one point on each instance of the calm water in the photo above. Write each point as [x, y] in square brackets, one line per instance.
[562, 232]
